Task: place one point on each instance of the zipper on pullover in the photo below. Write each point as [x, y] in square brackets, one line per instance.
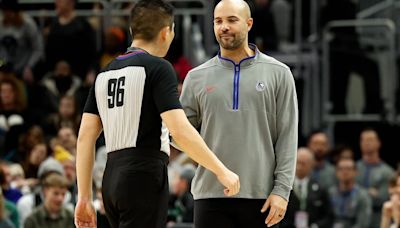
[236, 80]
[236, 88]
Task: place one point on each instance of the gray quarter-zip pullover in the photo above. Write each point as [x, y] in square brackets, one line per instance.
[247, 114]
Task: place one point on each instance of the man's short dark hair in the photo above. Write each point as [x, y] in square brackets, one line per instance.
[148, 17]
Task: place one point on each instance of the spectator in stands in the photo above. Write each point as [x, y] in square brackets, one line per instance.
[8, 209]
[12, 116]
[351, 203]
[391, 208]
[28, 202]
[341, 152]
[20, 41]
[60, 82]
[373, 173]
[67, 139]
[324, 171]
[69, 166]
[11, 194]
[52, 212]
[34, 158]
[18, 179]
[67, 116]
[33, 136]
[70, 38]
[181, 209]
[309, 204]
[5, 220]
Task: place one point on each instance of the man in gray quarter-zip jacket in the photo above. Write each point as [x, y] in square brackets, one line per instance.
[244, 104]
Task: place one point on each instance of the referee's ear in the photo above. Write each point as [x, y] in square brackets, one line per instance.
[164, 32]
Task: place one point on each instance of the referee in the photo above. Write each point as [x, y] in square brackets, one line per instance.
[134, 100]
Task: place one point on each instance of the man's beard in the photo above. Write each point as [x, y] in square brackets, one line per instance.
[231, 44]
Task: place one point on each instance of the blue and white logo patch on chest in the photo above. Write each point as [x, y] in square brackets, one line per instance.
[260, 86]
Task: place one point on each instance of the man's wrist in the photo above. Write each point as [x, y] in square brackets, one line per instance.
[85, 198]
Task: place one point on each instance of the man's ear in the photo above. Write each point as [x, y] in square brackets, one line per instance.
[164, 32]
[249, 24]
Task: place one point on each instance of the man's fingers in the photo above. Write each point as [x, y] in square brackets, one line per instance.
[277, 217]
[265, 206]
[237, 187]
[271, 214]
[85, 224]
[226, 192]
[231, 191]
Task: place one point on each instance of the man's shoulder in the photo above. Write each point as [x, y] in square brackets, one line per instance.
[266, 59]
[203, 67]
[147, 58]
[144, 60]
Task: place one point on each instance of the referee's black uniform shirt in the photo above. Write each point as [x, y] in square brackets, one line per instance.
[129, 95]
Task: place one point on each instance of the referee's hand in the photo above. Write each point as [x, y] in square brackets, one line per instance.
[231, 182]
[85, 215]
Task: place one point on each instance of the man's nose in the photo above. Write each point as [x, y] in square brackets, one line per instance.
[224, 27]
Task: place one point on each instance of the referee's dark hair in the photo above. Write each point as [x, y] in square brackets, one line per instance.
[148, 17]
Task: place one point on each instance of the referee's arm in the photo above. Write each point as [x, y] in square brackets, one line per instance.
[189, 140]
[89, 131]
[91, 127]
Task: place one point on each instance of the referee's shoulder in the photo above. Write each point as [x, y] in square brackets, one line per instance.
[155, 62]
[162, 61]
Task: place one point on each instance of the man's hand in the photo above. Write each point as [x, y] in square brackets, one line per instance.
[277, 211]
[231, 181]
[85, 215]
